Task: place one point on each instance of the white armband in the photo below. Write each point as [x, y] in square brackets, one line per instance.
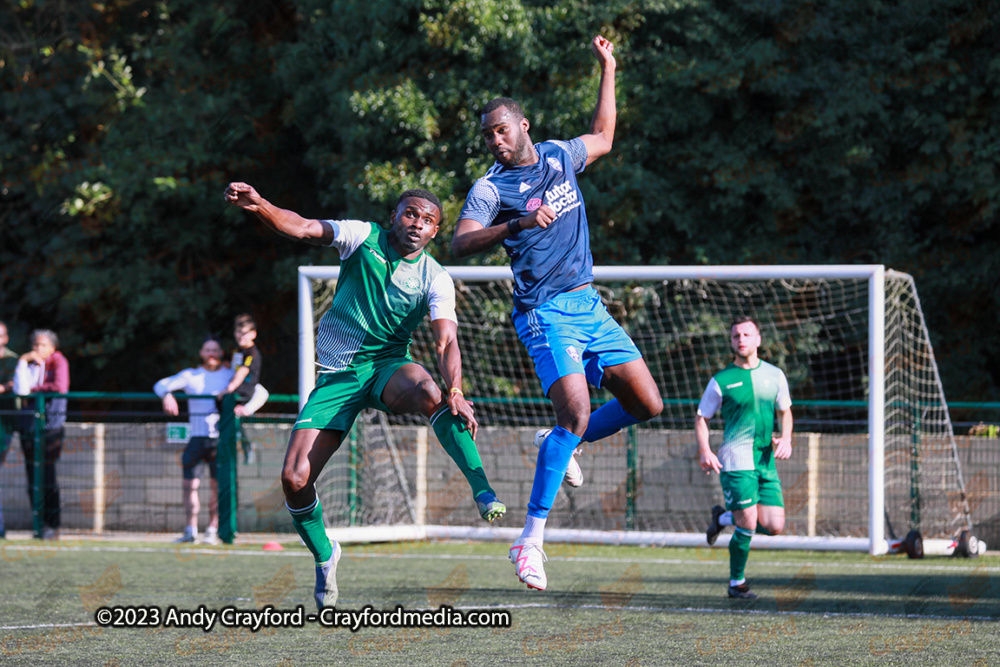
[23, 379]
[257, 400]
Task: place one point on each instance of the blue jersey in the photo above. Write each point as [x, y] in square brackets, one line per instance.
[545, 262]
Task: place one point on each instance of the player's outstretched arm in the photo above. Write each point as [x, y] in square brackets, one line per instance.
[450, 364]
[471, 238]
[602, 125]
[285, 222]
[707, 459]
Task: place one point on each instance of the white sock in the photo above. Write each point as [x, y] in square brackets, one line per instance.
[734, 582]
[534, 529]
[726, 519]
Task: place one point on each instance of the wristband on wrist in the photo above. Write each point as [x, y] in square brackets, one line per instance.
[513, 227]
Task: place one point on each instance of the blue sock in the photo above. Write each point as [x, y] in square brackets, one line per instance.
[553, 458]
[607, 420]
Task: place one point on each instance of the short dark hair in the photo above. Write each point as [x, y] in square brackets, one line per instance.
[423, 194]
[244, 321]
[211, 338]
[743, 319]
[503, 102]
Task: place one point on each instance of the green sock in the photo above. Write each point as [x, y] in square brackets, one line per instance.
[457, 441]
[761, 530]
[739, 552]
[308, 524]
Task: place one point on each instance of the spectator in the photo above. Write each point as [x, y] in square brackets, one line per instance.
[246, 364]
[209, 379]
[8, 362]
[44, 369]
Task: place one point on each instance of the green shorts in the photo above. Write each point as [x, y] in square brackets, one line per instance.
[746, 488]
[339, 397]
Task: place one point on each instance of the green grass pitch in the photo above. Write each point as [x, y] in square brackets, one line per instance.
[622, 606]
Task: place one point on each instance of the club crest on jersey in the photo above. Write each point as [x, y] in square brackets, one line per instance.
[562, 198]
[533, 204]
[573, 353]
[554, 163]
[411, 284]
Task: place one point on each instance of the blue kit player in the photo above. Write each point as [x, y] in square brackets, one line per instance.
[531, 203]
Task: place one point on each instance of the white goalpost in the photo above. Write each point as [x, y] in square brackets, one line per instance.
[874, 447]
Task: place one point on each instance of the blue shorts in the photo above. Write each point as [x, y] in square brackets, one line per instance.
[573, 333]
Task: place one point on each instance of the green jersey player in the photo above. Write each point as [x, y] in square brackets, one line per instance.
[750, 392]
[387, 285]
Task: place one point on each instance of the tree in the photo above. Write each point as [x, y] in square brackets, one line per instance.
[848, 132]
[756, 132]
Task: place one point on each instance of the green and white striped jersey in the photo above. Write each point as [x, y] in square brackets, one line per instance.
[748, 399]
[381, 298]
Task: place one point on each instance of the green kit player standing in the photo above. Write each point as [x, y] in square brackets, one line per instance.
[750, 393]
[387, 284]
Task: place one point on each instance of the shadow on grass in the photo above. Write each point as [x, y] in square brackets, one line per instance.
[975, 594]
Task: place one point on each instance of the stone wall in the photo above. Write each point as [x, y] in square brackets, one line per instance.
[142, 482]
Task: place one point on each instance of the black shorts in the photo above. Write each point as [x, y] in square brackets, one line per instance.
[200, 448]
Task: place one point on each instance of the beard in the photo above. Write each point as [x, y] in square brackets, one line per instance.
[516, 156]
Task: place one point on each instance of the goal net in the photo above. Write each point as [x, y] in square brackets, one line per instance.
[874, 452]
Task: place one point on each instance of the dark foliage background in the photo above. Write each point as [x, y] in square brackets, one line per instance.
[765, 131]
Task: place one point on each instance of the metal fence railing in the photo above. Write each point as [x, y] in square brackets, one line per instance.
[119, 470]
[114, 464]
